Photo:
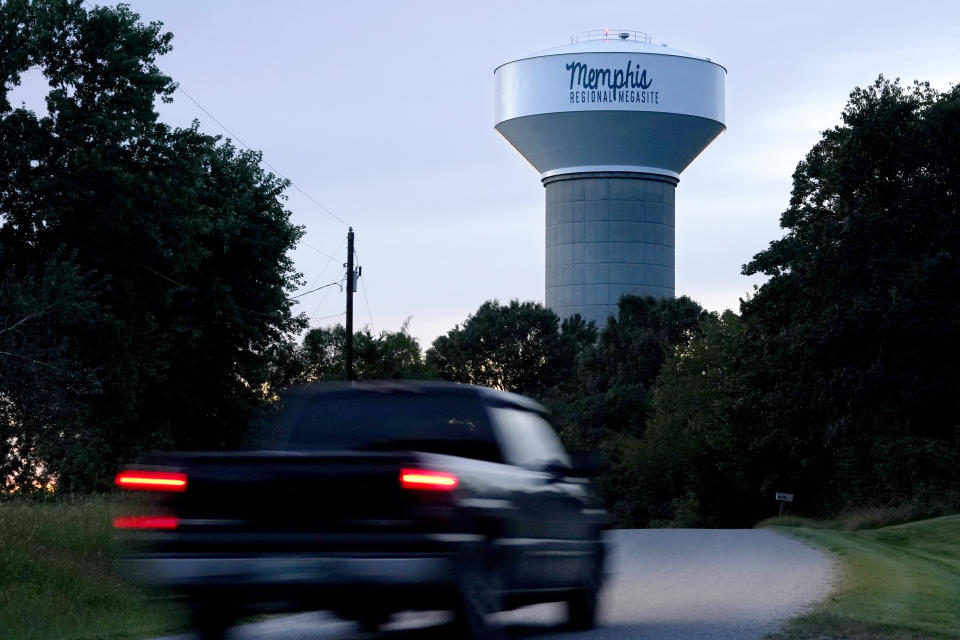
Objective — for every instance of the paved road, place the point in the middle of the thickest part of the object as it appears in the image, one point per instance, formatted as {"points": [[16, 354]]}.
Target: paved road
{"points": [[667, 584]]}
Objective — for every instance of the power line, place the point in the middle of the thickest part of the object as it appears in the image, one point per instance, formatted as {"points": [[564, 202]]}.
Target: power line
{"points": [[222, 126], [312, 199], [325, 295], [265, 315], [249, 148], [328, 263], [330, 258], [323, 253], [363, 288], [283, 177], [317, 289], [270, 166], [278, 173]]}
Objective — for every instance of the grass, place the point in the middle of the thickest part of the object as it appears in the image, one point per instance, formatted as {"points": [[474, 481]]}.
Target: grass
{"points": [[57, 579], [898, 582], [867, 518]]}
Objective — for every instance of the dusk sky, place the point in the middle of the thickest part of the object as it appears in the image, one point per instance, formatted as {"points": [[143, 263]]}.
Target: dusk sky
{"points": [[383, 113]]}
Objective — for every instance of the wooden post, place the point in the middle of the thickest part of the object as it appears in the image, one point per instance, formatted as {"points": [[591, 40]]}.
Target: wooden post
{"points": [[348, 348], [783, 499]]}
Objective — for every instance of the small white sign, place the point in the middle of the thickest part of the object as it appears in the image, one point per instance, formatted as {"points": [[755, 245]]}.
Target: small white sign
{"points": [[784, 497]]}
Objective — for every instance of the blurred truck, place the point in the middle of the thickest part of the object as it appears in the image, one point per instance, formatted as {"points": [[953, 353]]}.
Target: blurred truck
{"points": [[374, 498]]}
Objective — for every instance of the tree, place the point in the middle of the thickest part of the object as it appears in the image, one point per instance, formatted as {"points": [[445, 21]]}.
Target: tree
{"points": [[605, 403], [698, 464], [175, 246], [858, 329], [41, 378], [609, 390], [388, 356], [516, 347]]}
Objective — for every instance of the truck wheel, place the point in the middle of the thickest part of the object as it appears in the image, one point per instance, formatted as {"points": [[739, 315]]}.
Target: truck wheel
{"points": [[479, 594], [582, 603], [371, 622], [211, 622]]}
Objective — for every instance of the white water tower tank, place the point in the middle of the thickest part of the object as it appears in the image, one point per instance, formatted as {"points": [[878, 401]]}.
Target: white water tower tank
{"points": [[610, 121]]}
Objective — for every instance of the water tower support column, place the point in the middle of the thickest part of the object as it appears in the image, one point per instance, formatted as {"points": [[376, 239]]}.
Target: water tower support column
{"points": [[608, 233]]}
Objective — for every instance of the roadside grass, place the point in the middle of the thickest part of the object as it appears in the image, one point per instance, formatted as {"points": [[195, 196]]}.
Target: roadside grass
{"points": [[897, 582], [867, 518], [57, 579]]}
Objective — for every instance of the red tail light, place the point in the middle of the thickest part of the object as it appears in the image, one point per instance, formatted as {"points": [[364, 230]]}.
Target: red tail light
{"points": [[429, 480], [146, 522], [152, 480]]}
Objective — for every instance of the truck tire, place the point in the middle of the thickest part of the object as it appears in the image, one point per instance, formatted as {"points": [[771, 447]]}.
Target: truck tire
{"points": [[212, 621], [582, 603], [479, 595], [371, 622]]}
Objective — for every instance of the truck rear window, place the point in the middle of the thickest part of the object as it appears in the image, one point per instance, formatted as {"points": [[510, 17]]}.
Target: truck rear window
{"points": [[451, 424]]}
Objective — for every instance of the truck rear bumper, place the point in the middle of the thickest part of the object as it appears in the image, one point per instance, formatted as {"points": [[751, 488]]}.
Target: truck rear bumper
{"points": [[291, 570]]}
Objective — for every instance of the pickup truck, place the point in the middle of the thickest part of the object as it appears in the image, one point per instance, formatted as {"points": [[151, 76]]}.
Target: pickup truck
{"points": [[373, 498]]}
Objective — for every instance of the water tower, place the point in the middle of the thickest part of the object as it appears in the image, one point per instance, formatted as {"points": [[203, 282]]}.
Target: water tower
{"points": [[610, 121]]}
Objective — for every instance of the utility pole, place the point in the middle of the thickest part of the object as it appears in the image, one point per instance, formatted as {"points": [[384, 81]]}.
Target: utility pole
{"points": [[348, 351]]}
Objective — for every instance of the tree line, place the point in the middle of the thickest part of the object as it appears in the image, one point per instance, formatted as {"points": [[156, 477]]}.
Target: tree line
{"points": [[145, 286]]}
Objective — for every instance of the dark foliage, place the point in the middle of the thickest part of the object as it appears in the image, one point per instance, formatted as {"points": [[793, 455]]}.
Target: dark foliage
{"points": [[605, 405], [517, 347], [387, 356], [609, 390], [861, 315], [144, 275]]}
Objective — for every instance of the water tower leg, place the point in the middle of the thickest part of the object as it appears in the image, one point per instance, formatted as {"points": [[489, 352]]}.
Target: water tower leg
{"points": [[607, 234]]}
